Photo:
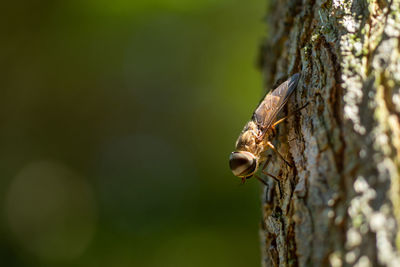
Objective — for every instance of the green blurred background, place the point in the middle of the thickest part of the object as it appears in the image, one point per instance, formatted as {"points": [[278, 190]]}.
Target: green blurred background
{"points": [[117, 120]]}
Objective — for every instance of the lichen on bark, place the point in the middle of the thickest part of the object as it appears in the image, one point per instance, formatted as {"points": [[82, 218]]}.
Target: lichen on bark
{"points": [[340, 204]]}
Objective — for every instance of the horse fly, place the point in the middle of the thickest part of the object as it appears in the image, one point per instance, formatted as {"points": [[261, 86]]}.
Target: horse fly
{"points": [[255, 138]]}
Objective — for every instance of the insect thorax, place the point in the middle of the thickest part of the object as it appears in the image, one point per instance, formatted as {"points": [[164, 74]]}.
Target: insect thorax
{"points": [[249, 140]]}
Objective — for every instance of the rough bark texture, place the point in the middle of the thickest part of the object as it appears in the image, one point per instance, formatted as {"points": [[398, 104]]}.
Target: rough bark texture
{"points": [[340, 204]]}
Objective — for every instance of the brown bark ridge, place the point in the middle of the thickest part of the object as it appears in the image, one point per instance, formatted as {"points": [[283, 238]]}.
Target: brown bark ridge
{"points": [[340, 203]]}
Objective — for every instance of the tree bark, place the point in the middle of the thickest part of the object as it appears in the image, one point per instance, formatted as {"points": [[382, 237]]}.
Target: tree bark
{"points": [[340, 203]]}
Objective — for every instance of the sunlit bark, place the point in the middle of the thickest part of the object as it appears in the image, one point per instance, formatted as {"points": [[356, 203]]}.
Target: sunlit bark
{"points": [[340, 204]]}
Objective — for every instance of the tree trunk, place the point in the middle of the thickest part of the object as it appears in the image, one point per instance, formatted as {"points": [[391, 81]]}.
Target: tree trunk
{"points": [[340, 204]]}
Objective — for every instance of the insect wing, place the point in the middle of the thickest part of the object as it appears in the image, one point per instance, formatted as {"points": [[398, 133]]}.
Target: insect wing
{"points": [[274, 101]]}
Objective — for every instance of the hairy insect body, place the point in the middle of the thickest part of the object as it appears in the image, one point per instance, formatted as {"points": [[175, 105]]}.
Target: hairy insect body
{"points": [[249, 140], [254, 141], [255, 137]]}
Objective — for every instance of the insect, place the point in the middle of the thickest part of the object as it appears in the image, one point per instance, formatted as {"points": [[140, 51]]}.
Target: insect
{"points": [[255, 137]]}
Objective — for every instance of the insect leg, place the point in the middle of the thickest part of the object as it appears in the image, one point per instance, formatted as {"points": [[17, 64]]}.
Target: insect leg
{"points": [[279, 154], [280, 120], [275, 178], [290, 114], [270, 175], [266, 163], [273, 129], [261, 180]]}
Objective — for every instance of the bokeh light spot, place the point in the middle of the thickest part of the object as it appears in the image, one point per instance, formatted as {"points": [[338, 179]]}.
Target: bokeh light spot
{"points": [[51, 211]]}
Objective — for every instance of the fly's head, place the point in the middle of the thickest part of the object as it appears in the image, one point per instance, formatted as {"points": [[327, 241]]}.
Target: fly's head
{"points": [[243, 164]]}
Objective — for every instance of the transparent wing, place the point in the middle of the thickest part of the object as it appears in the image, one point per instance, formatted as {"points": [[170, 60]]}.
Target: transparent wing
{"points": [[273, 102]]}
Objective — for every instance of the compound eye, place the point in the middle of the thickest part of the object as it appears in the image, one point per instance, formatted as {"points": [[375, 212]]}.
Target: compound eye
{"points": [[242, 163]]}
